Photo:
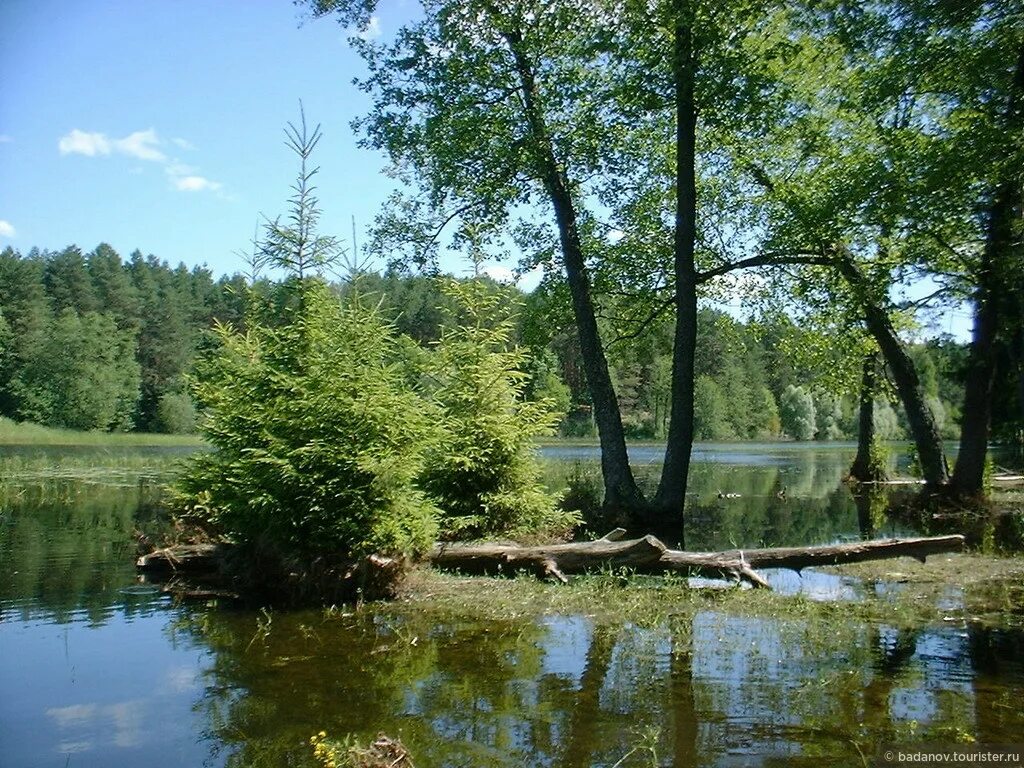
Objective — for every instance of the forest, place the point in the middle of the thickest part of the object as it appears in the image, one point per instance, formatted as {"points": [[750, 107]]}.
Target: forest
{"points": [[90, 341], [835, 174]]}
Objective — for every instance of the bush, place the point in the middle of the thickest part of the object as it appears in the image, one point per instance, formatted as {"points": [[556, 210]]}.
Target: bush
{"points": [[879, 459], [796, 411], [484, 473], [176, 414], [317, 441], [709, 411]]}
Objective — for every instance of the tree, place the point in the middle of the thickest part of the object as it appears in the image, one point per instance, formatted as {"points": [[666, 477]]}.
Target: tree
{"points": [[113, 287], [999, 271], [318, 439], [490, 127], [710, 411], [483, 473], [67, 281], [864, 468], [294, 245], [796, 411], [167, 339], [86, 377], [27, 316]]}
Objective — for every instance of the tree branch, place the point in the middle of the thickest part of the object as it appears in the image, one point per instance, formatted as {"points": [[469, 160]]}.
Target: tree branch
{"points": [[767, 259]]}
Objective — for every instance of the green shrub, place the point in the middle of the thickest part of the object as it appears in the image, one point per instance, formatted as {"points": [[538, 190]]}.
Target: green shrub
{"points": [[317, 441], [879, 459], [484, 473], [176, 414], [796, 411]]}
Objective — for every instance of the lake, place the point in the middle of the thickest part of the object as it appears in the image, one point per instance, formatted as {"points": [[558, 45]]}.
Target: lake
{"points": [[98, 669]]}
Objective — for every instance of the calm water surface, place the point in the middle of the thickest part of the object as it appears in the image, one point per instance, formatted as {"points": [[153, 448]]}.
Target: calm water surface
{"points": [[99, 670]]}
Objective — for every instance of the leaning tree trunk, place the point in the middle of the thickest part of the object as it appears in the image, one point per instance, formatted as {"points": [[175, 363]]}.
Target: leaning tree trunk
{"points": [[991, 292], [668, 504], [922, 422], [620, 489], [862, 468]]}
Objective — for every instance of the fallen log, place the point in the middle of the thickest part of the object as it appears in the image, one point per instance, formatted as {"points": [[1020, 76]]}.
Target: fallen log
{"points": [[646, 555], [649, 555], [183, 558]]}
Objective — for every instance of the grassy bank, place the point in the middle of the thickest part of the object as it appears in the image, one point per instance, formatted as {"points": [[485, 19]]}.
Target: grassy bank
{"points": [[916, 595], [26, 433]]}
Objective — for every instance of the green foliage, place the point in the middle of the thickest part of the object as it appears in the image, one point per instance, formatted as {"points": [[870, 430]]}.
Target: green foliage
{"points": [[796, 411], [887, 424], [709, 411], [293, 244], [767, 423], [879, 459], [317, 441], [86, 377], [176, 414], [483, 473], [544, 384], [828, 416]]}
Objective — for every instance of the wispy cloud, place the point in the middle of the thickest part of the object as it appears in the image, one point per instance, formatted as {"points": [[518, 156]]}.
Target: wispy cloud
{"points": [[81, 143], [7, 229], [5, 139], [141, 145], [195, 184]]}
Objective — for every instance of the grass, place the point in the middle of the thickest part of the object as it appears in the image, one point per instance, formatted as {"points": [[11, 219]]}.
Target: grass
{"points": [[992, 588], [26, 433]]}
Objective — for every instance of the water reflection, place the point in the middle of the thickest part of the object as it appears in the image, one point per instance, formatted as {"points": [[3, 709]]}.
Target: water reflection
{"points": [[96, 671], [708, 690]]}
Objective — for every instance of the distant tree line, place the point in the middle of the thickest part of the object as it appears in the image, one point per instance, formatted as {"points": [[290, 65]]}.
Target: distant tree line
{"points": [[91, 341]]}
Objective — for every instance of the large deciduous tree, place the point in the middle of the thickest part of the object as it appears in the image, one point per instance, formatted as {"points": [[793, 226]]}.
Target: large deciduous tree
{"points": [[497, 108]]}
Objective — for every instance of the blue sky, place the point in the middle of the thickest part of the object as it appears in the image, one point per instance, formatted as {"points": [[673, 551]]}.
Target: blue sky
{"points": [[159, 125]]}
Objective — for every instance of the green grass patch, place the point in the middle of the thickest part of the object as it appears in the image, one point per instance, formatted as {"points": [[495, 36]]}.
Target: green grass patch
{"points": [[917, 595], [27, 433]]}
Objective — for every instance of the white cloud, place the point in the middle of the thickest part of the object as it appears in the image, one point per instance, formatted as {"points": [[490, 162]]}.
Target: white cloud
{"points": [[530, 280], [5, 139], [7, 229], [195, 184], [81, 143], [372, 30], [76, 714], [142, 145]]}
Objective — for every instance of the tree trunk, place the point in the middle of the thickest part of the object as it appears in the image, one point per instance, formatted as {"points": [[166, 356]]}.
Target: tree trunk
{"points": [[649, 555], [644, 555], [668, 504], [620, 489], [995, 276], [862, 469], [922, 422], [585, 721]]}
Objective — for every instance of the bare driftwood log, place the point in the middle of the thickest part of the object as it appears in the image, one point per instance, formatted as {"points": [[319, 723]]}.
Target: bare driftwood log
{"points": [[649, 555], [183, 558], [643, 555]]}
